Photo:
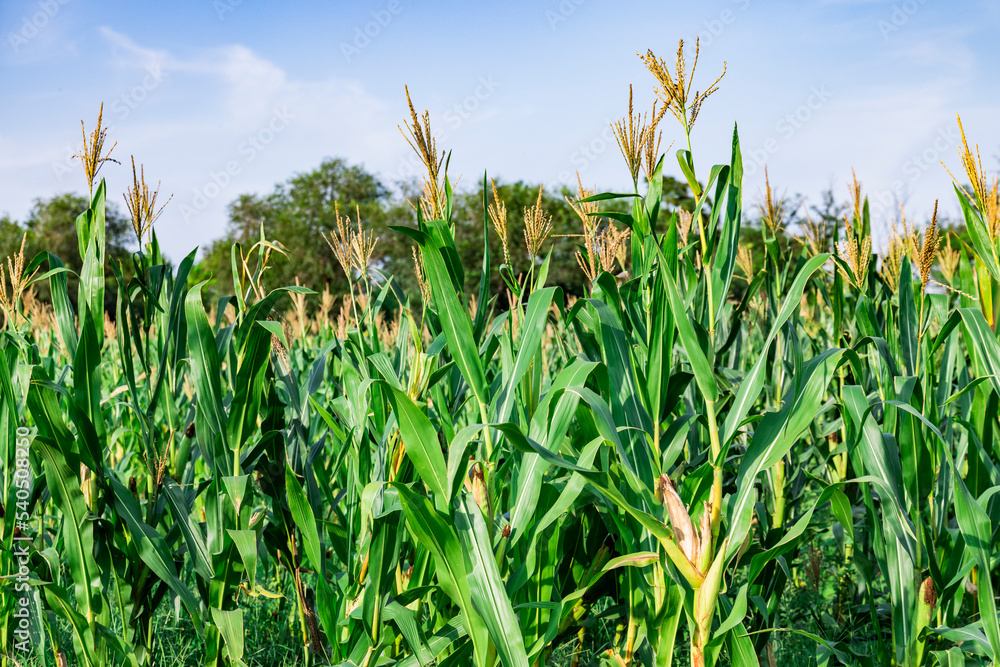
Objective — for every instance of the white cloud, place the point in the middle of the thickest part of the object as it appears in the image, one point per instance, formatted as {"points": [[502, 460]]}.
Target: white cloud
{"points": [[890, 97], [938, 49], [189, 115]]}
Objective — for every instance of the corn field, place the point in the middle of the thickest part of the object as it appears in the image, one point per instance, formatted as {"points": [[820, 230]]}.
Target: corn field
{"points": [[644, 475]]}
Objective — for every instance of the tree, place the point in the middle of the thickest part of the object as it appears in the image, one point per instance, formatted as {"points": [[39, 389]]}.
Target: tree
{"points": [[677, 195], [516, 197], [469, 215], [303, 210], [299, 214], [51, 226], [10, 237]]}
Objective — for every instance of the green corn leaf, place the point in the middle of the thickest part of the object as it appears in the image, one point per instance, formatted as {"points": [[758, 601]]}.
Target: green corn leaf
{"points": [[304, 518], [422, 446], [87, 377], [908, 324], [953, 657], [548, 426], [971, 638], [881, 461], [984, 343], [248, 387], [487, 591], [205, 365], [776, 434], [202, 560], [531, 340], [153, 549], [437, 534], [58, 600], [687, 168], [703, 373], [246, 544], [406, 621], [230, 624], [77, 530], [976, 528], [452, 632], [982, 242], [381, 554], [484, 278], [59, 289], [724, 262], [455, 322], [754, 381]]}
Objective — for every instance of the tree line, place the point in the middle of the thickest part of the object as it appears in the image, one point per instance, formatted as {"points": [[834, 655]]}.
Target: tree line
{"points": [[302, 211]]}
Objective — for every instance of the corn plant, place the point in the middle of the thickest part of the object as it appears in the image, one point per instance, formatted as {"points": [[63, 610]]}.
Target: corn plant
{"points": [[459, 477]]}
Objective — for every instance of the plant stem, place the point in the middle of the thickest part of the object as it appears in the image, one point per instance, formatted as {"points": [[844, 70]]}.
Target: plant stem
{"points": [[633, 623], [716, 449], [778, 480]]}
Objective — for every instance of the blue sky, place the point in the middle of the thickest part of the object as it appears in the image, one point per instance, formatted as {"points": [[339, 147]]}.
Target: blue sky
{"points": [[223, 97]]}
